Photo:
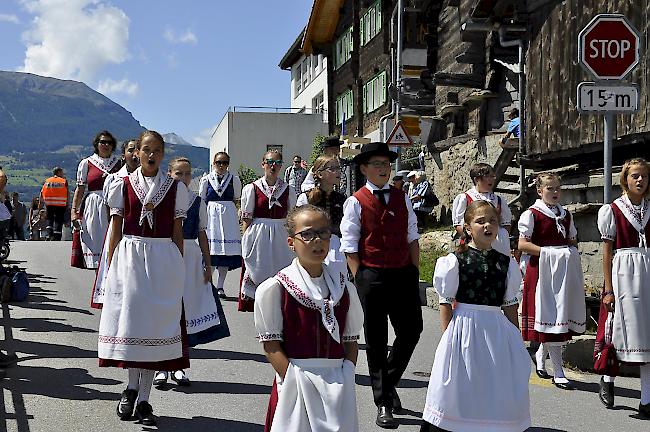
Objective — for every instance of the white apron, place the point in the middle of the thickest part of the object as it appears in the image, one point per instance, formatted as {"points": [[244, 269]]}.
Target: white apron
{"points": [[224, 233], [631, 283], [560, 295], [94, 225], [317, 395], [200, 306]]}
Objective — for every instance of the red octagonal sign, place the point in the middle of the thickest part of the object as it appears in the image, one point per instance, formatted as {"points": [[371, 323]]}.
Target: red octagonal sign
{"points": [[609, 46]]}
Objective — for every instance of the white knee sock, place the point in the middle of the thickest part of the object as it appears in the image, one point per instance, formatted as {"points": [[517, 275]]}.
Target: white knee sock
{"points": [[645, 384], [146, 381], [555, 352], [540, 357], [608, 379], [134, 379], [221, 276]]}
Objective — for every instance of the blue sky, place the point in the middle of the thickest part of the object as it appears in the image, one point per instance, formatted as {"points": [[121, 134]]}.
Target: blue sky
{"points": [[177, 65]]}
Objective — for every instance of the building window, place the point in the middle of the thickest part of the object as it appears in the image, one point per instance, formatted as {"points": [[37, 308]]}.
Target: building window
{"points": [[374, 93], [297, 79], [306, 72], [344, 107], [342, 48], [318, 103], [370, 23]]}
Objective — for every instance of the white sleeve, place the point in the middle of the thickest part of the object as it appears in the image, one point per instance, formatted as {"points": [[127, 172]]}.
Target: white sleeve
{"points": [[606, 223], [446, 278], [203, 216], [236, 185], [526, 224], [82, 172], [182, 201], [458, 210], [506, 213], [302, 200], [354, 320], [107, 186], [247, 202], [203, 188], [513, 284], [268, 311], [115, 197], [412, 232], [308, 183], [573, 232], [351, 226]]}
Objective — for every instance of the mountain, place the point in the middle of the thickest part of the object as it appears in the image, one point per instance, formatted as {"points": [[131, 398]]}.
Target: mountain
{"points": [[47, 122]]}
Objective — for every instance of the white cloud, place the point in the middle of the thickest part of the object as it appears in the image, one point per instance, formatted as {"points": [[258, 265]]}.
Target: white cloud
{"points": [[74, 39], [9, 18], [181, 38], [112, 87], [203, 137]]}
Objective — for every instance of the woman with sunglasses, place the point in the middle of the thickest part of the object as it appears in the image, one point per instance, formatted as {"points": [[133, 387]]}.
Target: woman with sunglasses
{"points": [[220, 189], [327, 176], [264, 207], [89, 213]]}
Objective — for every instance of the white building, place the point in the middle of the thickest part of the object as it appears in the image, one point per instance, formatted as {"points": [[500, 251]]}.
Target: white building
{"points": [[245, 135], [308, 79]]}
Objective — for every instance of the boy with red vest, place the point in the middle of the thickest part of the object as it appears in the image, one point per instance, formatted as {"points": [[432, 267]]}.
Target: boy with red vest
{"points": [[380, 240]]}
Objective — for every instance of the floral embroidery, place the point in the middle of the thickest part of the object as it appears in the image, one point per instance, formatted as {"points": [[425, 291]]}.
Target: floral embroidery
{"points": [[114, 340], [350, 338], [203, 320], [117, 211], [180, 214], [266, 337]]}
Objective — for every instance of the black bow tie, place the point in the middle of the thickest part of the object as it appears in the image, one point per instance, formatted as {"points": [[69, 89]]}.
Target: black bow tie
{"points": [[381, 195]]}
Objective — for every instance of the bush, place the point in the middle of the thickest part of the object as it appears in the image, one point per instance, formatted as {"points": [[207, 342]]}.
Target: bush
{"points": [[246, 174], [316, 149]]}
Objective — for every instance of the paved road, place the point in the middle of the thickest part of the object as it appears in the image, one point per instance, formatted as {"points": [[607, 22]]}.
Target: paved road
{"points": [[57, 385]]}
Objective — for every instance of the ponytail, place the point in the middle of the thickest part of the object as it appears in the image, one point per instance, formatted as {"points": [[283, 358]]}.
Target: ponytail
{"points": [[463, 244]]}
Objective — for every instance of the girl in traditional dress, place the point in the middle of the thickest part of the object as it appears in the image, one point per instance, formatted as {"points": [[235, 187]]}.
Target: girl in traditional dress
{"points": [[264, 206], [479, 380], [142, 327], [483, 177], [204, 317], [553, 306], [89, 214], [129, 164], [220, 189], [309, 319], [624, 226], [327, 176]]}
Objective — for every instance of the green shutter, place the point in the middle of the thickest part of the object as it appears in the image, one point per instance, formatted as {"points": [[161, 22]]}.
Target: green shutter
{"points": [[383, 88], [378, 15], [365, 99], [361, 30], [350, 104]]}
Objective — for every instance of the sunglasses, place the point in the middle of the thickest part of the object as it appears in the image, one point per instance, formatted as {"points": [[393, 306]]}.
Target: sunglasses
{"points": [[222, 163], [273, 162], [310, 234], [106, 142], [379, 164]]}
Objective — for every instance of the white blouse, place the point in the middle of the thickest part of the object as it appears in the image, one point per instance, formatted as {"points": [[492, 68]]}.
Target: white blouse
{"points": [[302, 200], [268, 311], [82, 170], [248, 200], [446, 279], [203, 187], [606, 223], [526, 226], [115, 198], [459, 206]]}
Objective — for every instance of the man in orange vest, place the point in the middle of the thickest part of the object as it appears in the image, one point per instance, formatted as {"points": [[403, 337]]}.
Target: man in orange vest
{"points": [[55, 195]]}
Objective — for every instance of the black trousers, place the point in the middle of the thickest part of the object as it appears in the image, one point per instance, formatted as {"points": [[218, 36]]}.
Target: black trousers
{"points": [[384, 294], [55, 215]]}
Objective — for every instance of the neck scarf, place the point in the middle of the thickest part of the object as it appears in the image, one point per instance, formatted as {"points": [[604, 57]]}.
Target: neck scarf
{"points": [[273, 193], [104, 164], [638, 218], [219, 186], [150, 196], [547, 211]]}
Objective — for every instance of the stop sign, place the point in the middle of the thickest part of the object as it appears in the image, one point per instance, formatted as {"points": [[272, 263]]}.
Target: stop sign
{"points": [[609, 46]]}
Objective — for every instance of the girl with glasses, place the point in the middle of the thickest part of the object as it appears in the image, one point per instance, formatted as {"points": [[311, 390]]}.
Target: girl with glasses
{"points": [[220, 189], [264, 207]]}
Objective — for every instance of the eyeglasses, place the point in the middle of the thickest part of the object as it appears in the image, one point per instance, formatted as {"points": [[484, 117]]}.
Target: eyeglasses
{"points": [[222, 163], [379, 164], [106, 142], [309, 235], [273, 162], [332, 169], [297, 161]]}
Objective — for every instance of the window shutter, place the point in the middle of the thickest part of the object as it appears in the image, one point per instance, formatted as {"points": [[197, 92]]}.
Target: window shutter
{"points": [[350, 42], [361, 29], [378, 16], [365, 99], [351, 104], [383, 87]]}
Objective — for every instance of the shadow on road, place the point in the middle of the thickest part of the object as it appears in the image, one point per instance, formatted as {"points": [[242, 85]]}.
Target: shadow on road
{"points": [[364, 380], [209, 387], [595, 388], [203, 424], [206, 354]]}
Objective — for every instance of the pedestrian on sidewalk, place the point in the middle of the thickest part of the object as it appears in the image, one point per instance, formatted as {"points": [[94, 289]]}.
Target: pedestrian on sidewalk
{"points": [[295, 174], [264, 207], [220, 190], [204, 316], [308, 317], [130, 163], [553, 306], [466, 391], [625, 307], [483, 178], [54, 194], [380, 240], [18, 217], [142, 326]]}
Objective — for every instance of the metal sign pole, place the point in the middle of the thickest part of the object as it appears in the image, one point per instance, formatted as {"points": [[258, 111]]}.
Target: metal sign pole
{"points": [[607, 163]]}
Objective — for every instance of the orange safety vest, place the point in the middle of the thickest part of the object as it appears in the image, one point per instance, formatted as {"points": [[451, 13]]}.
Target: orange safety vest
{"points": [[55, 192]]}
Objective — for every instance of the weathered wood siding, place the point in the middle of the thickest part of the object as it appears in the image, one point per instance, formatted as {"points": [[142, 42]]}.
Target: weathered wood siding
{"points": [[553, 74]]}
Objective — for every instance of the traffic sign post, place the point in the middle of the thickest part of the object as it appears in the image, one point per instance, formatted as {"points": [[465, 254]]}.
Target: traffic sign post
{"points": [[609, 48], [399, 137]]}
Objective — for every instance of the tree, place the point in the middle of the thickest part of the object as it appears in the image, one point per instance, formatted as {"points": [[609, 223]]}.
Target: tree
{"points": [[246, 174], [317, 148]]}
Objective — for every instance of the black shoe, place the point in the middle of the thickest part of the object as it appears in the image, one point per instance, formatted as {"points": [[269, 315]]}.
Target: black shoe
{"points": [[125, 406], [395, 402], [221, 293], [606, 393], [563, 386], [543, 374], [644, 410], [144, 413], [385, 418], [160, 379], [180, 378], [7, 360]]}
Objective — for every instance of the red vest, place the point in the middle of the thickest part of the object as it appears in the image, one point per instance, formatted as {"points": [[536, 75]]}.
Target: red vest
{"points": [[262, 209], [545, 232], [626, 235], [96, 177], [384, 230], [163, 214]]}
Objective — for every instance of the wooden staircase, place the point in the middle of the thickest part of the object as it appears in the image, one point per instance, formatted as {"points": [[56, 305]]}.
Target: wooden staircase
{"points": [[507, 159]]}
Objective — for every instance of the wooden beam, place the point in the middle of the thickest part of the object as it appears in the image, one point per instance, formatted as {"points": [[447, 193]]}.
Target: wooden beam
{"points": [[446, 144], [458, 80]]}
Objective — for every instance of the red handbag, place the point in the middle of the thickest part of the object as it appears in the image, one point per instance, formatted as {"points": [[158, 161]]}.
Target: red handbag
{"points": [[605, 362]]}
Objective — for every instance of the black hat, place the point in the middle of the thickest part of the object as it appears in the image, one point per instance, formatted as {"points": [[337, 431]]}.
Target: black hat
{"points": [[374, 149], [333, 141]]}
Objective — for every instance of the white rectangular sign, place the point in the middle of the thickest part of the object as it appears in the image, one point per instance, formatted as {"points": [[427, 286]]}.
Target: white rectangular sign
{"points": [[596, 97]]}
